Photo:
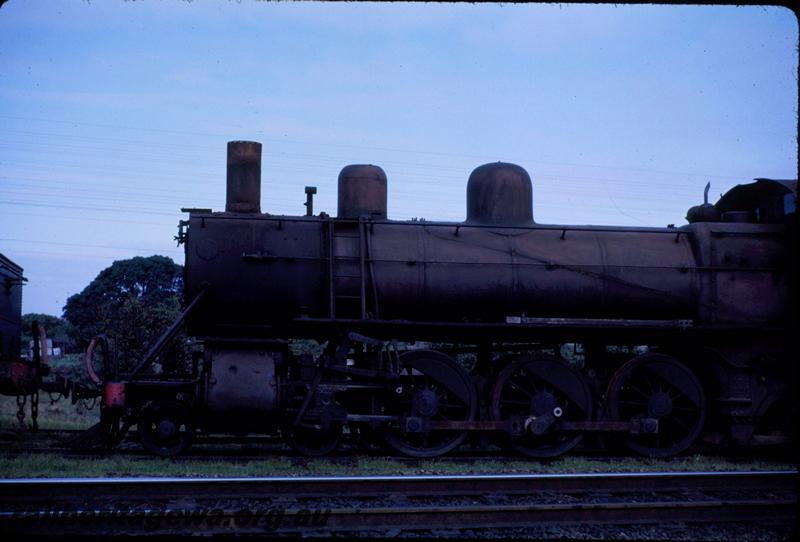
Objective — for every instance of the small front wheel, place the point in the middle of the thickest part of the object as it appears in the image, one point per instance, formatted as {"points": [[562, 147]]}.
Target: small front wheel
{"points": [[166, 428], [314, 442]]}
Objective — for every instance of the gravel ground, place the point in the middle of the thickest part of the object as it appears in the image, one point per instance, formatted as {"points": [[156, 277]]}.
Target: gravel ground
{"points": [[738, 532], [729, 531]]}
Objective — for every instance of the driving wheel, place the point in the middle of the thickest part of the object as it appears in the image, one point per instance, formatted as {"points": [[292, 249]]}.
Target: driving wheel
{"points": [[660, 388], [432, 387], [540, 393]]}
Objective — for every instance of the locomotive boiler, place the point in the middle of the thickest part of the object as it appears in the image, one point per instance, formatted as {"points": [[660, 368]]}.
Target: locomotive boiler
{"points": [[434, 331]]}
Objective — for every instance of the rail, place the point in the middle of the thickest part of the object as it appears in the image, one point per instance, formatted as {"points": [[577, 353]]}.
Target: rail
{"points": [[414, 503]]}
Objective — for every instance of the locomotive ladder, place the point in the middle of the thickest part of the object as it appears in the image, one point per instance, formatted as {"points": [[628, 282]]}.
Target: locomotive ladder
{"points": [[349, 262]]}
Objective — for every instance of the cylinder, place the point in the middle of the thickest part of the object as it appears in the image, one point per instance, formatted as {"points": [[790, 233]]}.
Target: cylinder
{"points": [[244, 177], [362, 192], [499, 194]]}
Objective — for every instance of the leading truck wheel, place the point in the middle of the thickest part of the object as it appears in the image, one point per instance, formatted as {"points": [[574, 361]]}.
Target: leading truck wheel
{"points": [[432, 387], [313, 442], [661, 388], [542, 393], [166, 428]]}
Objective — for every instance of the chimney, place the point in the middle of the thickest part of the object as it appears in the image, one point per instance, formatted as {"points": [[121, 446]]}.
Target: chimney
{"points": [[244, 177]]}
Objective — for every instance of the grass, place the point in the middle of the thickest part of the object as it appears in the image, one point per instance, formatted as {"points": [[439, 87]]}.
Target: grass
{"points": [[59, 415], [46, 465], [55, 465]]}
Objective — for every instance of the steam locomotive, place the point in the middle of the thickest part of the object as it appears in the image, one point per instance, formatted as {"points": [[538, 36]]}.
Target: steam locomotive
{"points": [[431, 333]]}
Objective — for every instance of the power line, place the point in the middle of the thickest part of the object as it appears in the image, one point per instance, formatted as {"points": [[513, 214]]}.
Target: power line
{"points": [[351, 146], [86, 245], [84, 208], [83, 218]]}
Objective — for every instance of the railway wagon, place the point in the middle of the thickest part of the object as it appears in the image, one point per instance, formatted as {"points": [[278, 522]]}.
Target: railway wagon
{"points": [[25, 376], [10, 309], [19, 377], [431, 332]]}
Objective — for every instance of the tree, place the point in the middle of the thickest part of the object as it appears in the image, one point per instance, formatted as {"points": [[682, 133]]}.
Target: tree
{"points": [[132, 301], [58, 329]]}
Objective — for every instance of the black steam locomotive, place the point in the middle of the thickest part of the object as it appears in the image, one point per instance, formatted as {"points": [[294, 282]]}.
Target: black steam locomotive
{"points": [[432, 332]]}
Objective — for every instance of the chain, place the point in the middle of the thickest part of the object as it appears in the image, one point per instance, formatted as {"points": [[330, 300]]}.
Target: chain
{"points": [[34, 411], [21, 400]]}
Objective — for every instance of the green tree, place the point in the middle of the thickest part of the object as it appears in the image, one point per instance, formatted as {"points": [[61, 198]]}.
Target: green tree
{"points": [[132, 301], [58, 329]]}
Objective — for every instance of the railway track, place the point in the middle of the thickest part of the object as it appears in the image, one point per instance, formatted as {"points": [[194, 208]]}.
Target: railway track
{"points": [[390, 504]]}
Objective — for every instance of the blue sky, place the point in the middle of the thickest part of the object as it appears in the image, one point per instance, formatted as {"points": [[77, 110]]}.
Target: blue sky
{"points": [[116, 114]]}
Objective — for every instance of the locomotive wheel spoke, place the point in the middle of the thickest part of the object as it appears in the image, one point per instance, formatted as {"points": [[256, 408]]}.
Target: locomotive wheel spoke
{"points": [[531, 380], [438, 389], [517, 386], [556, 385], [640, 392], [680, 422], [676, 400]]}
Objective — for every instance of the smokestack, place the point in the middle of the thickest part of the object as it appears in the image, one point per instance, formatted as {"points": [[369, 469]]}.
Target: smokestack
{"points": [[244, 177]]}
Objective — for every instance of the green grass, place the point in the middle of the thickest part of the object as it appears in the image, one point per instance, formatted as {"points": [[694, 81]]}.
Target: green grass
{"points": [[59, 415], [45, 465], [54, 465]]}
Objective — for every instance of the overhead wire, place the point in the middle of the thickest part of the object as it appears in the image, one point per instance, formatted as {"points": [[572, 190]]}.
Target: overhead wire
{"points": [[347, 145], [85, 245]]}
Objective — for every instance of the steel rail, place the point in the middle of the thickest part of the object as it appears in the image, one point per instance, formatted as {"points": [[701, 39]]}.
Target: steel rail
{"points": [[16, 490], [141, 505]]}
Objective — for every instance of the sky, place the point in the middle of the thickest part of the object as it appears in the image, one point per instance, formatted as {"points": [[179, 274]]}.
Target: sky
{"points": [[115, 115]]}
